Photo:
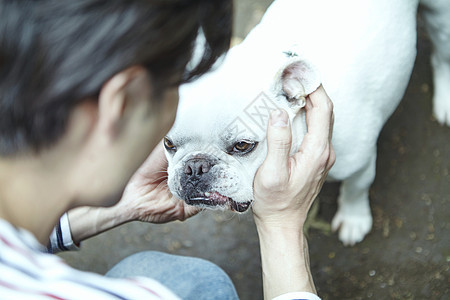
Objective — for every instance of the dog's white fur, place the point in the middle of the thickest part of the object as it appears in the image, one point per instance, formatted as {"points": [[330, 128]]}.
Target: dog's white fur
{"points": [[364, 52]]}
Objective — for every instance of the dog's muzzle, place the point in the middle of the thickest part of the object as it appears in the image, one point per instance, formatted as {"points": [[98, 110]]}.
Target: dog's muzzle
{"points": [[196, 181]]}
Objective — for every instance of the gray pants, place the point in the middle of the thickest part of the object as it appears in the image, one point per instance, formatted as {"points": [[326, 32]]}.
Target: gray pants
{"points": [[188, 277]]}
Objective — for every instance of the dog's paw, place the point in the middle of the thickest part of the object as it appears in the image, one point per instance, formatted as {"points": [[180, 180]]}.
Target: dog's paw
{"points": [[441, 97], [352, 228], [441, 109]]}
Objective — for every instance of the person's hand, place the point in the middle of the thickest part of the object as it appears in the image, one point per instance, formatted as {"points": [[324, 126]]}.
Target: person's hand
{"points": [[147, 197], [284, 189], [285, 186]]}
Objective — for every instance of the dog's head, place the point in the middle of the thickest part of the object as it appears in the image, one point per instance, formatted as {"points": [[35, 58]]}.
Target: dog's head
{"points": [[218, 140]]}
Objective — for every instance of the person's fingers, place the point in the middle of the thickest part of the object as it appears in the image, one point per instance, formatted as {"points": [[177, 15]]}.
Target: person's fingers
{"points": [[332, 158], [190, 211], [319, 119], [279, 139]]}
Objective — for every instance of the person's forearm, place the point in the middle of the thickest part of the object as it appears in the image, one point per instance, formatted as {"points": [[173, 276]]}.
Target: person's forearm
{"points": [[86, 222], [285, 262]]}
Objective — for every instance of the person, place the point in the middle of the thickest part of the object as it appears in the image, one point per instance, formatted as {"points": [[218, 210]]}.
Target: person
{"points": [[87, 89]]}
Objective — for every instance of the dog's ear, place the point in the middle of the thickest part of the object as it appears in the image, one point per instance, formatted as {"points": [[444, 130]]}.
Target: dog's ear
{"points": [[298, 79]]}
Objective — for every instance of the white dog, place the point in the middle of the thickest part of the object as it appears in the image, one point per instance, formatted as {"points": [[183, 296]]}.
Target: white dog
{"points": [[361, 51]]}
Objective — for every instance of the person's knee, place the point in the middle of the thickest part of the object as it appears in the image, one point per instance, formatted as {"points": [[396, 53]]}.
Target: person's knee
{"points": [[148, 262], [186, 276]]}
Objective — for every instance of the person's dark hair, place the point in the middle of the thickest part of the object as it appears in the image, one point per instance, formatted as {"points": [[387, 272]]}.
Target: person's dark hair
{"points": [[54, 53]]}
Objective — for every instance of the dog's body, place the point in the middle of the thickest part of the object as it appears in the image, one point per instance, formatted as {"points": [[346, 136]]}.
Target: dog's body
{"points": [[364, 52]]}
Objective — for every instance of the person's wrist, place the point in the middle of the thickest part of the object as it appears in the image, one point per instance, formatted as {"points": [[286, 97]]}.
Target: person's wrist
{"points": [[293, 222], [282, 240], [270, 229], [120, 214]]}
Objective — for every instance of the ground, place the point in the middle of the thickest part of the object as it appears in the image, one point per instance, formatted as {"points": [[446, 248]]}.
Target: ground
{"points": [[407, 254]]}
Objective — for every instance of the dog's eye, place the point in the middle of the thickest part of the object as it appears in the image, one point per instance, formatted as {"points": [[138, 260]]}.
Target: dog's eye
{"points": [[243, 147], [169, 145]]}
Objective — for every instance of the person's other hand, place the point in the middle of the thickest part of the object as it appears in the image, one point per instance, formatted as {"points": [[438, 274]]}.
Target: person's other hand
{"points": [[147, 197], [285, 186]]}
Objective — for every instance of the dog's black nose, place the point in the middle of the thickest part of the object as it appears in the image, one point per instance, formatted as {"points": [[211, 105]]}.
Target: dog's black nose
{"points": [[196, 167]]}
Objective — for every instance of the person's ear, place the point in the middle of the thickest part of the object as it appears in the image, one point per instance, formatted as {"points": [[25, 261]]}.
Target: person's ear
{"points": [[119, 92]]}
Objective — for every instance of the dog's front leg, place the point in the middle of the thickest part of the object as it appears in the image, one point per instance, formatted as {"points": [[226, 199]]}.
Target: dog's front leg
{"points": [[353, 218], [437, 20]]}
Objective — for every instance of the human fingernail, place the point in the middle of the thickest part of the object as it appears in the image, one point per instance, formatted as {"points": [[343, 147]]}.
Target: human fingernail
{"points": [[279, 118]]}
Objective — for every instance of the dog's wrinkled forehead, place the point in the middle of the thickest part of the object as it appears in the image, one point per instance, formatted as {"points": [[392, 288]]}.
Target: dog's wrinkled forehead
{"points": [[209, 116], [228, 126]]}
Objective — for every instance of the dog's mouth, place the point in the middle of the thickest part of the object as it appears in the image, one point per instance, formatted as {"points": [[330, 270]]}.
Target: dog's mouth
{"points": [[217, 199]]}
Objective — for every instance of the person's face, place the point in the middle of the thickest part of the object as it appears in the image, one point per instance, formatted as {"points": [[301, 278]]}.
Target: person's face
{"points": [[142, 124], [148, 124]]}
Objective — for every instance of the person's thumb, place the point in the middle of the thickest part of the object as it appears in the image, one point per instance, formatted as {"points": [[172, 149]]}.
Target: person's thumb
{"points": [[279, 140]]}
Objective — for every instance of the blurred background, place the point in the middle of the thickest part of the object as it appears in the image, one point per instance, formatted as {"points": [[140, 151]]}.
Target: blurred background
{"points": [[407, 254]]}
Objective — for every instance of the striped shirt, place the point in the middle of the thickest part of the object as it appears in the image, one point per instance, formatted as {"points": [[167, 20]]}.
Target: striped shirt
{"points": [[27, 272]]}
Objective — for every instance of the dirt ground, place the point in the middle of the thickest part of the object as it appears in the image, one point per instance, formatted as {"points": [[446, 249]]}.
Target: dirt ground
{"points": [[407, 254]]}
